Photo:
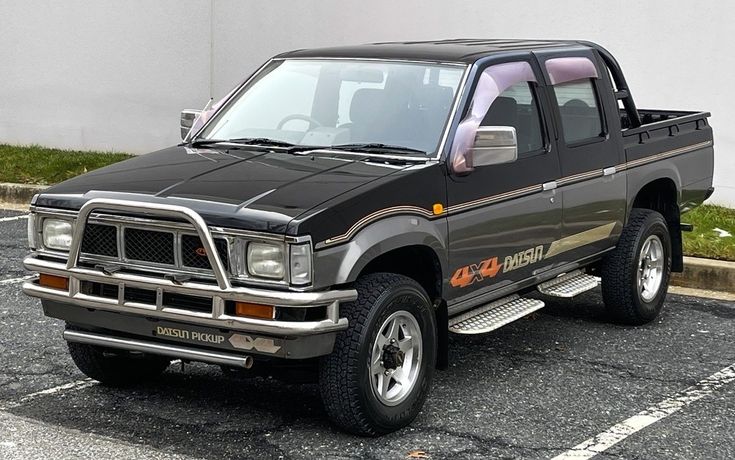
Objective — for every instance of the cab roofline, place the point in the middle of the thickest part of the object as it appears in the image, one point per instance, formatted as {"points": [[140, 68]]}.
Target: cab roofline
{"points": [[465, 51]]}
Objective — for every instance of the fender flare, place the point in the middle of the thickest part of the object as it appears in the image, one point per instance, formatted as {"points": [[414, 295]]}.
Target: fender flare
{"points": [[665, 172], [378, 238]]}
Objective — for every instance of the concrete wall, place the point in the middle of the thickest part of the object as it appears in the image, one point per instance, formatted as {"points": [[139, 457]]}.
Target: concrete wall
{"points": [[113, 75]]}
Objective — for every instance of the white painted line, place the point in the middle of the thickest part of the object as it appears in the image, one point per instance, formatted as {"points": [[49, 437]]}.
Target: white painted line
{"points": [[653, 414], [16, 280], [12, 218], [73, 386], [24, 438]]}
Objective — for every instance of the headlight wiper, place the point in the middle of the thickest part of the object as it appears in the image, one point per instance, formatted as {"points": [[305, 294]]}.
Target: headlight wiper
{"points": [[377, 148]]}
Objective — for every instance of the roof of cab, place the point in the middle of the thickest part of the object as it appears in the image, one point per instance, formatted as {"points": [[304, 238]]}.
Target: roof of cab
{"points": [[463, 50]]}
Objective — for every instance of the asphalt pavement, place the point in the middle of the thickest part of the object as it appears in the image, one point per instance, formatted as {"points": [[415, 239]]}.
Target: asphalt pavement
{"points": [[533, 389]]}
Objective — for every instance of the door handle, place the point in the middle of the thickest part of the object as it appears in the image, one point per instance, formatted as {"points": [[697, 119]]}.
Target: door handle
{"points": [[549, 186], [609, 171]]}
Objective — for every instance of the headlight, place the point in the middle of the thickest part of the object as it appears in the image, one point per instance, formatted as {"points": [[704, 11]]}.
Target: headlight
{"points": [[300, 264], [266, 260], [57, 234]]}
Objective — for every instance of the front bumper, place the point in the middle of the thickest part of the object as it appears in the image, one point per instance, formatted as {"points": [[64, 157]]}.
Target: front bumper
{"points": [[180, 339], [93, 291], [119, 318], [218, 317]]}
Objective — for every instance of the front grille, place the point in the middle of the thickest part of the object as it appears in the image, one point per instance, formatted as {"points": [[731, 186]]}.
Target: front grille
{"points": [[149, 246], [193, 253], [156, 247], [100, 240]]}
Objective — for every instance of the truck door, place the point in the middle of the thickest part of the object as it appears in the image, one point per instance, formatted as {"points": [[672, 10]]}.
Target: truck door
{"points": [[586, 132], [500, 217]]}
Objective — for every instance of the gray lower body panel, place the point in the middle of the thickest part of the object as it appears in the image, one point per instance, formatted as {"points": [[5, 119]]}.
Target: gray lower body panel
{"points": [[173, 332]]}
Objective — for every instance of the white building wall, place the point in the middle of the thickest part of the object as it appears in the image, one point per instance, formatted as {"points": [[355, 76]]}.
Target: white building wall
{"points": [[113, 75]]}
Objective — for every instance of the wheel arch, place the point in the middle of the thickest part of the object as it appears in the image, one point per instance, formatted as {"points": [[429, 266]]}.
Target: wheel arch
{"points": [[662, 195], [412, 246]]}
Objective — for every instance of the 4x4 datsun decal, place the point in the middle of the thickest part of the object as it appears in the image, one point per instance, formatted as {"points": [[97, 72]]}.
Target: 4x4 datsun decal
{"points": [[489, 268]]}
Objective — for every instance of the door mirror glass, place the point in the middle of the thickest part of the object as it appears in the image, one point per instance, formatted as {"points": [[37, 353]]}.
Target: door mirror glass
{"points": [[188, 117], [493, 145]]}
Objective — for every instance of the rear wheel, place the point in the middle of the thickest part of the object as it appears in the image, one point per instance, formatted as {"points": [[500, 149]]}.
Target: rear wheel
{"points": [[379, 375], [635, 276], [116, 367]]}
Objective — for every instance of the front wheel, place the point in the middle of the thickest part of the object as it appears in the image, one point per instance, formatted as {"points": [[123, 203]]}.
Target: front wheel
{"points": [[635, 275], [379, 375]]}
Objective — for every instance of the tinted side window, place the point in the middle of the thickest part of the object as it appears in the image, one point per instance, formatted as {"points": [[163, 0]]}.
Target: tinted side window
{"points": [[517, 107], [580, 115]]}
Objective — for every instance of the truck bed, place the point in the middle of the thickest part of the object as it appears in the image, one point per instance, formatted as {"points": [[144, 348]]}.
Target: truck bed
{"points": [[664, 130]]}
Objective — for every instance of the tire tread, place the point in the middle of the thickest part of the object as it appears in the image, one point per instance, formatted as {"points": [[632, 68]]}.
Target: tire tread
{"points": [[338, 372]]}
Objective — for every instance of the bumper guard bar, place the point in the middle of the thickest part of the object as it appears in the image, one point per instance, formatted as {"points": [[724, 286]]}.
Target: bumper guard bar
{"points": [[173, 351], [220, 293]]}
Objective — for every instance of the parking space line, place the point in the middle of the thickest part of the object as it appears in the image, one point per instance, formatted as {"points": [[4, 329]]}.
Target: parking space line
{"points": [[653, 414], [12, 218], [16, 280], [73, 386]]}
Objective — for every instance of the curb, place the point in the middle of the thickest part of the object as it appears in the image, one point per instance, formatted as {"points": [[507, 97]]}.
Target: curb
{"points": [[19, 194], [709, 274]]}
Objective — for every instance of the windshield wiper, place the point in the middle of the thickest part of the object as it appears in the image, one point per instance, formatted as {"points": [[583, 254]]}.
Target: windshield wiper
{"points": [[371, 147], [376, 147], [255, 141]]}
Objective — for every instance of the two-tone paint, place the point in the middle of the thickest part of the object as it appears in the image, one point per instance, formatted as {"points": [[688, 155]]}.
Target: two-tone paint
{"points": [[572, 201]]}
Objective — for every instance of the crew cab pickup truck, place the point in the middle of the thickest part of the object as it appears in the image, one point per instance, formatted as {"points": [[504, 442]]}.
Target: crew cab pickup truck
{"points": [[350, 207]]}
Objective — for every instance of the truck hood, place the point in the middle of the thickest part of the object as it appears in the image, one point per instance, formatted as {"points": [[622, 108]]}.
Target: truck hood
{"points": [[239, 188]]}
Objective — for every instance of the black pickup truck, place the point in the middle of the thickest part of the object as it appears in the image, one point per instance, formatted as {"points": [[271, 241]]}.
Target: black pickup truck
{"points": [[350, 207]]}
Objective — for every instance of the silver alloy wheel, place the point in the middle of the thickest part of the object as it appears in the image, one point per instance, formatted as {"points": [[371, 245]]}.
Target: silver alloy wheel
{"points": [[650, 268], [396, 356]]}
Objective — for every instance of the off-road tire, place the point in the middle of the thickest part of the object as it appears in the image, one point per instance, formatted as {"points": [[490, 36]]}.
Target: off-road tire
{"points": [[344, 377], [117, 368], [620, 290]]}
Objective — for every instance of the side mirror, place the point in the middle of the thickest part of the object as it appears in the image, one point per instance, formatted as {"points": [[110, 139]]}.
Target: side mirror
{"points": [[188, 117], [494, 145]]}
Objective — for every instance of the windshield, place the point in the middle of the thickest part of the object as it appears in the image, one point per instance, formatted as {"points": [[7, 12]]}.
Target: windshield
{"points": [[328, 103]]}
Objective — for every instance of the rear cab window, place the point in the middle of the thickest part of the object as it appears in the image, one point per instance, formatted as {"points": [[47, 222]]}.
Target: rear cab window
{"points": [[579, 110], [573, 85]]}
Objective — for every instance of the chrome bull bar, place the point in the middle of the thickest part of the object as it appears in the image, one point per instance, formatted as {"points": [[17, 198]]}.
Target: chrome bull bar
{"points": [[219, 293], [156, 209]]}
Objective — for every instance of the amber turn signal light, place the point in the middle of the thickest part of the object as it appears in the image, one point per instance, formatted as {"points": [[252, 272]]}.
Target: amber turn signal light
{"points": [[53, 281], [254, 310]]}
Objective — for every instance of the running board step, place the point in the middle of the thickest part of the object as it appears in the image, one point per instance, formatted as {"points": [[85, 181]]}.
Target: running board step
{"points": [[494, 315], [569, 284]]}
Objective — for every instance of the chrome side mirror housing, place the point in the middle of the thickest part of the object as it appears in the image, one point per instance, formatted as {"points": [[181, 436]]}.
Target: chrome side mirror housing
{"points": [[188, 117], [493, 145]]}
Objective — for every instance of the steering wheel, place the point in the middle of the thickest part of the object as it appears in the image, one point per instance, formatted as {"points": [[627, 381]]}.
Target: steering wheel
{"points": [[298, 116]]}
